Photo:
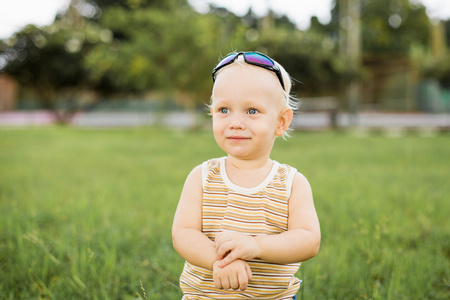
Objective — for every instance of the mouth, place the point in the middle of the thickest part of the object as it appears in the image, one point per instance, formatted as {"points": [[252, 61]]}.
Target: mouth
{"points": [[237, 138]]}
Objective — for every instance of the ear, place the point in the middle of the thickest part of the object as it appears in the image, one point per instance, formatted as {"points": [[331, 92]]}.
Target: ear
{"points": [[284, 120]]}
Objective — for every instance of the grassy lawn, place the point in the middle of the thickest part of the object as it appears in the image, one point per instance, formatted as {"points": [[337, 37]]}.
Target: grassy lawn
{"points": [[87, 214]]}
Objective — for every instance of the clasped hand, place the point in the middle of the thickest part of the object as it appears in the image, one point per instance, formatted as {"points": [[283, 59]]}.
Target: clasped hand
{"points": [[231, 269]]}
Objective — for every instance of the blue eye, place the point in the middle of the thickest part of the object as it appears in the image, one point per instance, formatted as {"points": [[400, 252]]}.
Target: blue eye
{"points": [[252, 111], [224, 110]]}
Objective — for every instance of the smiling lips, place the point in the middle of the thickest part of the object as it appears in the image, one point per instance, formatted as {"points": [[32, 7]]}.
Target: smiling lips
{"points": [[237, 138]]}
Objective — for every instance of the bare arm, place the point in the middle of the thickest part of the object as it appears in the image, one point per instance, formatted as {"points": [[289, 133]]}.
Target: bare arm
{"points": [[187, 236], [299, 243]]}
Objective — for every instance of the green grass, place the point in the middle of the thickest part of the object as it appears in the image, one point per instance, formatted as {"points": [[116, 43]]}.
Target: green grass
{"points": [[87, 214]]}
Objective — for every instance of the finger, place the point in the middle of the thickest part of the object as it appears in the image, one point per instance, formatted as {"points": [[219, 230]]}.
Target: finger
{"points": [[221, 238], [224, 250], [226, 284], [243, 282], [227, 260], [219, 257], [218, 240], [217, 283], [249, 272], [234, 282]]}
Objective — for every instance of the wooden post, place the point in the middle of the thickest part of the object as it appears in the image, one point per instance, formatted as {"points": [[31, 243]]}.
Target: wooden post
{"points": [[350, 43]]}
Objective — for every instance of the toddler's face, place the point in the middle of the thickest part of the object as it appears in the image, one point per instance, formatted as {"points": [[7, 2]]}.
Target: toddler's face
{"points": [[246, 108]]}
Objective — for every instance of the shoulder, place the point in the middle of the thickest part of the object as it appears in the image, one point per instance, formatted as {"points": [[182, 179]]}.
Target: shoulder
{"points": [[301, 198], [195, 174], [292, 174], [188, 213], [300, 184], [200, 173], [192, 189], [213, 163], [297, 184], [295, 180], [299, 178]]}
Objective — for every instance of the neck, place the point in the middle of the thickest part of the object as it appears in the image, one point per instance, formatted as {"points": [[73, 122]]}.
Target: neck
{"points": [[247, 174], [243, 164]]}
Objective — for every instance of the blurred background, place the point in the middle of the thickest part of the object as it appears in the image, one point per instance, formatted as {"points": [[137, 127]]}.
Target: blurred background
{"points": [[367, 63], [86, 214]]}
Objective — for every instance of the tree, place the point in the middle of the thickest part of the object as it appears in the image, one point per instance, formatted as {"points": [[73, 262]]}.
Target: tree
{"points": [[164, 50], [49, 60], [387, 26], [393, 26], [41, 61], [124, 47], [389, 30]]}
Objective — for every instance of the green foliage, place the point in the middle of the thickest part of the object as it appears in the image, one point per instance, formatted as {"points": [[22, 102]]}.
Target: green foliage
{"points": [[439, 68], [136, 4], [48, 61], [392, 26], [153, 49], [88, 214], [40, 61], [125, 47], [38, 58], [387, 26], [171, 48], [309, 57]]}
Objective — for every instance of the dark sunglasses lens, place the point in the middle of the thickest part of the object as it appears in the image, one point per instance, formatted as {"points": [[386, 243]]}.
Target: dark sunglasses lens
{"points": [[258, 59], [226, 60]]}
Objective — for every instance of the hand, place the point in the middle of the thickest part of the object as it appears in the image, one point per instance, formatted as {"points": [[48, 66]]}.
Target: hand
{"points": [[235, 275], [233, 245]]}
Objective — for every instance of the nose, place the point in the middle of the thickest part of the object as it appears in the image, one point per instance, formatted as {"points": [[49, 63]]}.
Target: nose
{"points": [[236, 121]]}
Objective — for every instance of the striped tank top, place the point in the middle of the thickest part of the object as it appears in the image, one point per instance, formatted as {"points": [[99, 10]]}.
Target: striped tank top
{"points": [[261, 210]]}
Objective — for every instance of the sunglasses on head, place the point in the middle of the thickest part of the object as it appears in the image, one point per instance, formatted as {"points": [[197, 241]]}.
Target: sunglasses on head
{"points": [[252, 58]]}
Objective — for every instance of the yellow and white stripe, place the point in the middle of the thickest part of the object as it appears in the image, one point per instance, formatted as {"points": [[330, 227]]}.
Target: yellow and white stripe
{"points": [[261, 210]]}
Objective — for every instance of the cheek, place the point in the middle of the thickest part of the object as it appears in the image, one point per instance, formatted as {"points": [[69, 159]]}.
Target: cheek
{"points": [[217, 126], [268, 128], [217, 133]]}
